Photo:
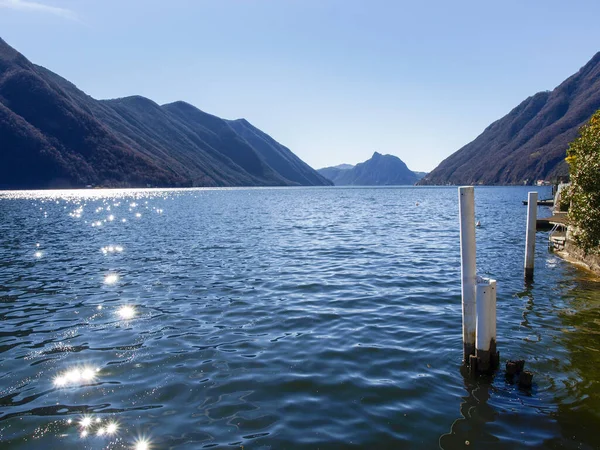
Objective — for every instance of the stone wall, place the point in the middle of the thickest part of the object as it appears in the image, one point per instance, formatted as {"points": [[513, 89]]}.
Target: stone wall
{"points": [[572, 253]]}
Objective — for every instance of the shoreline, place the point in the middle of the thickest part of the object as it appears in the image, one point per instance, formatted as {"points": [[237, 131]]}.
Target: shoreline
{"points": [[574, 255]]}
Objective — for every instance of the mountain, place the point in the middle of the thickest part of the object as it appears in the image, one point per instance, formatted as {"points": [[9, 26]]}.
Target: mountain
{"points": [[278, 157], [333, 172], [380, 170], [530, 142], [343, 166], [54, 135]]}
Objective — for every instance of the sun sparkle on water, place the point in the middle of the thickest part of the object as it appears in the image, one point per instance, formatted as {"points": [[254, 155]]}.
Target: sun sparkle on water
{"points": [[112, 428], [85, 422], [111, 249], [60, 381], [111, 278], [75, 376], [142, 444], [126, 312]]}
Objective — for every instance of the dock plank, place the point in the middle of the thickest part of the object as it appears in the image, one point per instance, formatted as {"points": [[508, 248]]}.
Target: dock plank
{"points": [[548, 223]]}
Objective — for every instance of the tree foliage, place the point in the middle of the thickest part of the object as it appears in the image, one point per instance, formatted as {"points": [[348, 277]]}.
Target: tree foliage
{"points": [[583, 157]]}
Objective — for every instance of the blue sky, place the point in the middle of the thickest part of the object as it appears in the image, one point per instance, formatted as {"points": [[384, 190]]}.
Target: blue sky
{"points": [[334, 80]]}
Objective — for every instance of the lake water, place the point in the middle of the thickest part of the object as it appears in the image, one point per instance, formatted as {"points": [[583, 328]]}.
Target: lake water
{"points": [[288, 318]]}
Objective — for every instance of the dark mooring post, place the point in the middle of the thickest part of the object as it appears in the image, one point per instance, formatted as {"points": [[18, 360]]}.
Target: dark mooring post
{"points": [[532, 199], [466, 206]]}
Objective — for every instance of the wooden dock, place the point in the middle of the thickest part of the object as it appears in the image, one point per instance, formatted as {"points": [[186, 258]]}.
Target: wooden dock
{"points": [[547, 202], [549, 222]]}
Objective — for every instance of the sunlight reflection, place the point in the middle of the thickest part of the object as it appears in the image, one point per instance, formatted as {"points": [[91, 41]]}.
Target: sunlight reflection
{"points": [[88, 374], [111, 249], [112, 428], [108, 195], [111, 278], [76, 213], [142, 444], [138, 215], [126, 312], [111, 218], [60, 381], [94, 426], [76, 376], [38, 254], [73, 376], [85, 422]]}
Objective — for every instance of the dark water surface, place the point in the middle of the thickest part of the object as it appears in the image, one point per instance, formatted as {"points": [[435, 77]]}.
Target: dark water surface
{"points": [[290, 318]]}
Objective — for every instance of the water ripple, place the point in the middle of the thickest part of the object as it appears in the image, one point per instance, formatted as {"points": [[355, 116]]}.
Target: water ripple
{"points": [[280, 318]]}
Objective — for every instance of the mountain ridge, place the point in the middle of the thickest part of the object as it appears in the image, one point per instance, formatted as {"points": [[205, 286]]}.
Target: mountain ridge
{"points": [[52, 134], [530, 142]]}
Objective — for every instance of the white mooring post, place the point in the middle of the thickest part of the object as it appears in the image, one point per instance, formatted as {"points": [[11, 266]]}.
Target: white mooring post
{"points": [[487, 358], [466, 202], [530, 237]]}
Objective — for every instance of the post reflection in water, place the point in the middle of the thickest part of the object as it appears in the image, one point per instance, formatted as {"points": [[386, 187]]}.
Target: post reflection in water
{"points": [[527, 293], [470, 429]]}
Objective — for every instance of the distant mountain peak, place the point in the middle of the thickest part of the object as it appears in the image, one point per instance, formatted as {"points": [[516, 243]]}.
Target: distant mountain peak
{"points": [[379, 170], [180, 104], [136, 100]]}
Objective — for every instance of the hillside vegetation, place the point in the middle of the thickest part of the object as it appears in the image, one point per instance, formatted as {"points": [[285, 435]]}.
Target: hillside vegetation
{"points": [[54, 135]]}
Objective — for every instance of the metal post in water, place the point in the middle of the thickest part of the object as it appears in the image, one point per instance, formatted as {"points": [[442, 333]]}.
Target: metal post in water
{"points": [[466, 202], [486, 355], [530, 237]]}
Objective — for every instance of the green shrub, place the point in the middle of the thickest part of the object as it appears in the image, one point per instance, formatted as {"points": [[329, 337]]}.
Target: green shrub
{"points": [[564, 199], [583, 157]]}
